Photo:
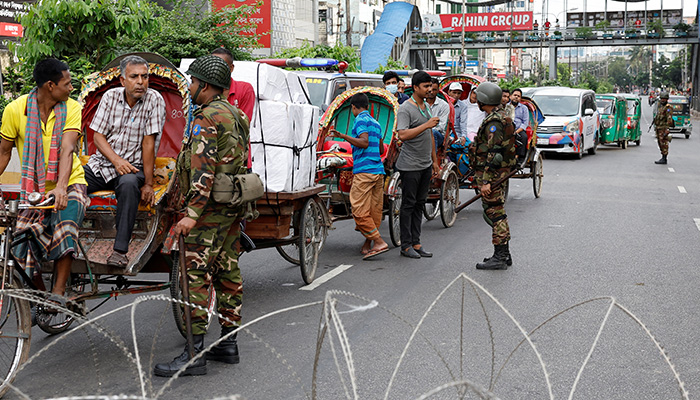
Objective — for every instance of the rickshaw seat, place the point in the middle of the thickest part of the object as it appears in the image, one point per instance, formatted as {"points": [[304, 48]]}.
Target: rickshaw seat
{"points": [[106, 199]]}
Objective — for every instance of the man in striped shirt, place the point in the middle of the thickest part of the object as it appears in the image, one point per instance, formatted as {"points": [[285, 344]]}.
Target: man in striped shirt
{"points": [[127, 124], [367, 191]]}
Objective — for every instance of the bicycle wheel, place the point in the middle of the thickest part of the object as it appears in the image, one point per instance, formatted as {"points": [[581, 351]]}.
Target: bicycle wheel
{"points": [[15, 334], [55, 323]]}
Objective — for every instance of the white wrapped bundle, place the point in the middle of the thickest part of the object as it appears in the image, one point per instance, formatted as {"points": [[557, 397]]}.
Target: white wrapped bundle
{"points": [[305, 125], [273, 164], [272, 83], [272, 124], [298, 90]]}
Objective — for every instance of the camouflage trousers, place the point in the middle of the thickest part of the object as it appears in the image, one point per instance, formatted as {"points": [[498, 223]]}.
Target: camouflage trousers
{"points": [[663, 138], [211, 254], [495, 215]]}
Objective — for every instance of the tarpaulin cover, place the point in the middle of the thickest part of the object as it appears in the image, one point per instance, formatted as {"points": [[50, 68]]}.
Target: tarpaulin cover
{"points": [[377, 46]]}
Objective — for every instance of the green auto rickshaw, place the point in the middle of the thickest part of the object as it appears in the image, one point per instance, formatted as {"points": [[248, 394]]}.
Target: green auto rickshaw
{"points": [[681, 115], [634, 115], [613, 119]]}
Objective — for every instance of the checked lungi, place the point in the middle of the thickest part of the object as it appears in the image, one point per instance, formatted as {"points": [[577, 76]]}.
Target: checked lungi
{"points": [[53, 234]]}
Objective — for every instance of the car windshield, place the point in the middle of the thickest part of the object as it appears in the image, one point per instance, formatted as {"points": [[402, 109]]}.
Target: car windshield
{"points": [[631, 107], [605, 106], [317, 90], [557, 106]]}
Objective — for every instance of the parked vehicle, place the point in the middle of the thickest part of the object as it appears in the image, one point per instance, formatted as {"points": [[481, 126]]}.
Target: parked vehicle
{"points": [[634, 115], [681, 115], [572, 121], [613, 119]]}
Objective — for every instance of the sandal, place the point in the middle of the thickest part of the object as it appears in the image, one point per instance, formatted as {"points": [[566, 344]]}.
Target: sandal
{"points": [[373, 253]]}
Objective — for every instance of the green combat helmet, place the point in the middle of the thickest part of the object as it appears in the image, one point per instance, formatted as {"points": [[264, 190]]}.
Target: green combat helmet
{"points": [[489, 93], [212, 70], [663, 95]]}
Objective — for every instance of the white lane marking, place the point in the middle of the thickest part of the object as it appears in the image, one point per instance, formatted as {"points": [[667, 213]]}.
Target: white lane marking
{"points": [[326, 277], [671, 170], [682, 189], [697, 222]]}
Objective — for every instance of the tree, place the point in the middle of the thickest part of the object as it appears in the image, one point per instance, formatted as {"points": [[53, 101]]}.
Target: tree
{"points": [[391, 65], [191, 30], [82, 33]]}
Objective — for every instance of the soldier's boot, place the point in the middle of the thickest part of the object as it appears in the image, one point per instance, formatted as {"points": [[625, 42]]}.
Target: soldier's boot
{"points": [[227, 350], [662, 160], [199, 367], [499, 260], [509, 260]]}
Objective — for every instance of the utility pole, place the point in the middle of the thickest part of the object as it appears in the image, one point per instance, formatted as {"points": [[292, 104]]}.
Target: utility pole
{"points": [[348, 32], [463, 56]]}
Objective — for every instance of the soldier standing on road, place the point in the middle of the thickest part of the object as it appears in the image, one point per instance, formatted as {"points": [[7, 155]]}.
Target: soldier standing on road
{"points": [[217, 144], [663, 119], [494, 155]]}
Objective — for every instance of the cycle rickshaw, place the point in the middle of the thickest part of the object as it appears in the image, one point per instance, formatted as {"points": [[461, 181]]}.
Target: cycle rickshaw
{"points": [[335, 155], [90, 274]]}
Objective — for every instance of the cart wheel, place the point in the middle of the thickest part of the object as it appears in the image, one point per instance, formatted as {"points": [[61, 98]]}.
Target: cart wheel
{"points": [[430, 210], [290, 252], [16, 328], [55, 323], [537, 174], [176, 293], [449, 198], [394, 216], [312, 232]]}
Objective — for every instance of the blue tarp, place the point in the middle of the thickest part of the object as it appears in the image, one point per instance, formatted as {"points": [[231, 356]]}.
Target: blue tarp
{"points": [[377, 47]]}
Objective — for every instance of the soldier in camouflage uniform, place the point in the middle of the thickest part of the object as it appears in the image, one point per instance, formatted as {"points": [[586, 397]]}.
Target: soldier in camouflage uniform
{"points": [[494, 157], [662, 121], [211, 230]]}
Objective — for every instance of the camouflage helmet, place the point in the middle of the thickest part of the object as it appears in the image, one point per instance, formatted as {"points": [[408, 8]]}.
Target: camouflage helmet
{"points": [[489, 93], [212, 70], [663, 95]]}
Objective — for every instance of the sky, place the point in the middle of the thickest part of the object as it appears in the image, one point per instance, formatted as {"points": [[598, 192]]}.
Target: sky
{"points": [[556, 7]]}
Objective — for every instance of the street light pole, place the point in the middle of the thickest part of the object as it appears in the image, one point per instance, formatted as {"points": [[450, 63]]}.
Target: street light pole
{"points": [[463, 57]]}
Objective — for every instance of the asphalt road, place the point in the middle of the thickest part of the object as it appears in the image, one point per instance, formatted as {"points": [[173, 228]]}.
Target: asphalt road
{"points": [[612, 224]]}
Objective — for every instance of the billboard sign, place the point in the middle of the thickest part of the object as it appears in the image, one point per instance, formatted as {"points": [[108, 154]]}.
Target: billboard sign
{"points": [[635, 19], [478, 22], [262, 17], [9, 13]]}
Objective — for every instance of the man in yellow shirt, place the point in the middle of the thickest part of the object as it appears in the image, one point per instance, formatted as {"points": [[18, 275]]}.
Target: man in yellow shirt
{"points": [[44, 126]]}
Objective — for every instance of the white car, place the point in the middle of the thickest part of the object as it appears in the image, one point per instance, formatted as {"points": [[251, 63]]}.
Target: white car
{"points": [[572, 121]]}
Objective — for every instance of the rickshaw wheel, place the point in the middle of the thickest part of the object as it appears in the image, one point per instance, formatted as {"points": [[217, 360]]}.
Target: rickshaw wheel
{"points": [[59, 322], [430, 210], [449, 197], [16, 326], [312, 233], [537, 174], [290, 253], [176, 293], [394, 214]]}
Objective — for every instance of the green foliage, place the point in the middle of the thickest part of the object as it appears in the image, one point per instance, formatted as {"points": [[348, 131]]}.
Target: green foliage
{"points": [[658, 27], [587, 81], [391, 65], [4, 101], [83, 33], [603, 25], [516, 83], [604, 86], [682, 27], [191, 31], [584, 32], [340, 53]]}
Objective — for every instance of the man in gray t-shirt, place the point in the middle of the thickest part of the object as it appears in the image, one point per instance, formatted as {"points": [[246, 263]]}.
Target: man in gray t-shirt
{"points": [[416, 163]]}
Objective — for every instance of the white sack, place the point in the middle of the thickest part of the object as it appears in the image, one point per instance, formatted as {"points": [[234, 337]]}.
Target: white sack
{"points": [[269, 83], [273, 165], [272, 124], [298, 90], [305, 125]]}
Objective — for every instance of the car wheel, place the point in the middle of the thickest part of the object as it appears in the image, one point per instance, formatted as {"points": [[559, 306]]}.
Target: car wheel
{"points": [[687, 135], [623, 144]]}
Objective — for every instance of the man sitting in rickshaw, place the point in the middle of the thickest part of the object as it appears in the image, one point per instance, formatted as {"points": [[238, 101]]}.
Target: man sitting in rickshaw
{"points": [[44, 126], [455, 91], [127, 123]]}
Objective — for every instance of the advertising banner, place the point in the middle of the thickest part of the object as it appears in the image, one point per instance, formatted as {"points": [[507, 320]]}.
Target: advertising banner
{"points": [[262, 18], [9, 13], [635, 19], [478, 22]]}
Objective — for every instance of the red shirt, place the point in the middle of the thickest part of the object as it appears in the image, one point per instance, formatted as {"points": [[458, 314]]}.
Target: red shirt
{"points": [[242, 96]]}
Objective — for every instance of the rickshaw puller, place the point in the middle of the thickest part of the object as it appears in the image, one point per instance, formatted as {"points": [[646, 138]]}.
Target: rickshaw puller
{"points": [[48, 163], [127, 123], [662, 121], [216, 145], [494, 155]]}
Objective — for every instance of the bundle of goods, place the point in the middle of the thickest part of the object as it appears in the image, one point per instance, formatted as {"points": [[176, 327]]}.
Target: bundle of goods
{"points": [[283, 129]]}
